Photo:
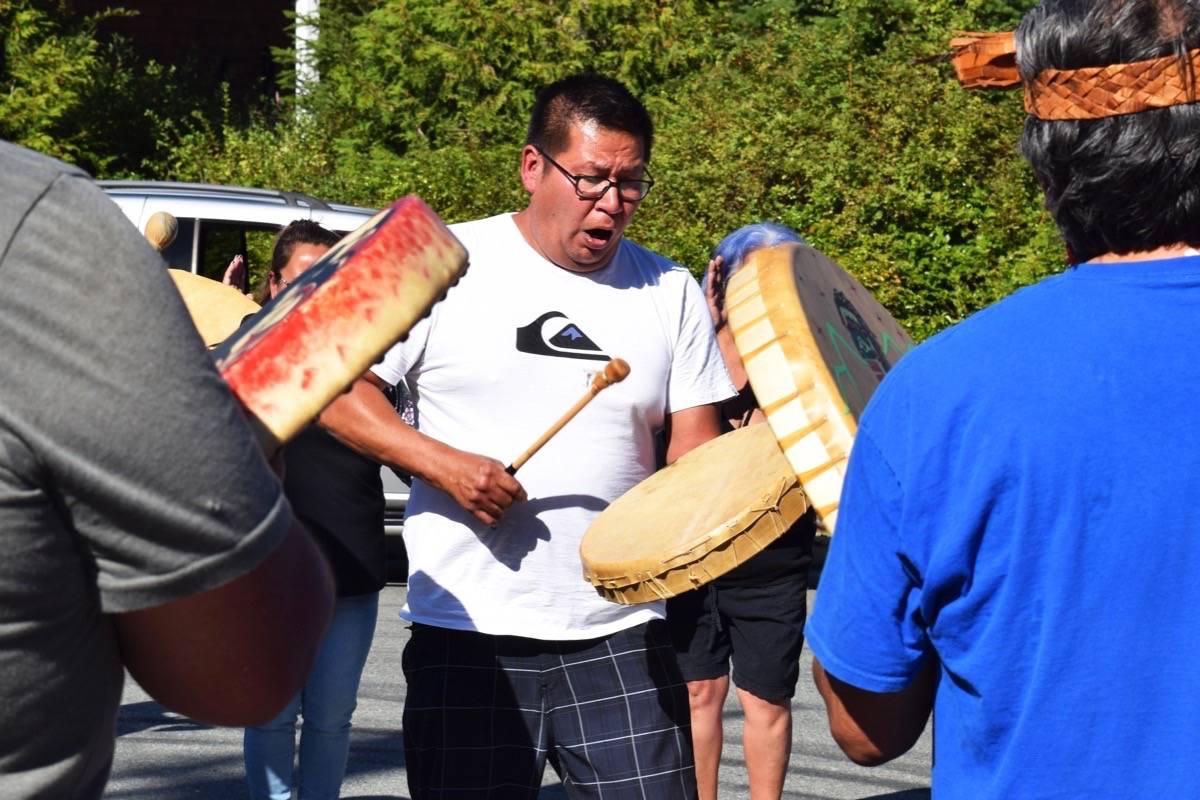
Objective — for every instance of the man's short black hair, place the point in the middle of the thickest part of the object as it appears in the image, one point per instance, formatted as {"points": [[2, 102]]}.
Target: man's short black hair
{"points": [[1125, 183], [302, 231], [586, 97]]}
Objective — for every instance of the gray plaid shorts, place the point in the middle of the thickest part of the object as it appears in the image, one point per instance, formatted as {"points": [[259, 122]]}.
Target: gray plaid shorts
{"points": [[483, 715]]}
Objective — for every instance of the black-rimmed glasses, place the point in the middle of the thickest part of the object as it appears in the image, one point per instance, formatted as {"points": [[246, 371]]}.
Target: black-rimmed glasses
{"points": [[594, 187]]}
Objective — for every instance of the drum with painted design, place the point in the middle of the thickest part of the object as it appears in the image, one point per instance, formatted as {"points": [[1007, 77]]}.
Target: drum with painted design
{"points": [[815, 344]]}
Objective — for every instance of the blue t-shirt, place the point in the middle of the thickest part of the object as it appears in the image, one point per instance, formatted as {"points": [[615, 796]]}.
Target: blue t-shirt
{"points": [[1022, 505]]}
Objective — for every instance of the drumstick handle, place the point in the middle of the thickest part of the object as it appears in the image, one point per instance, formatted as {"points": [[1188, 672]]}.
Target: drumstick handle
{"points": [[614, 372]]}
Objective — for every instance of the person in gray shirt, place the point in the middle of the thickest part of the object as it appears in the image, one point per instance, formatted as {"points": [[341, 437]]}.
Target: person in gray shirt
{"points": [[142, 527]]}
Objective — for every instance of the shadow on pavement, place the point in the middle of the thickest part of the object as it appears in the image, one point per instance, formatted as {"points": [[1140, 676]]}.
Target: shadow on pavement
{"points": [[375, 749], [197, 776], [147, 715]]}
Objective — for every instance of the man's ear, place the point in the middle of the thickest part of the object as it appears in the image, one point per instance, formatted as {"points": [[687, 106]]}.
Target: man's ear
{"points": [[531, 167]]}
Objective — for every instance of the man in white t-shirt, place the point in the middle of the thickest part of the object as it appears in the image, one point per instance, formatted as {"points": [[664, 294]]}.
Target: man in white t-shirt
{"points": [[514, 657]]}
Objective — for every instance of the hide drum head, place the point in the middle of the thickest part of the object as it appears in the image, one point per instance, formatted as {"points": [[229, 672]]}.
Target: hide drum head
{"points": [[216, 309], [694, 520]]}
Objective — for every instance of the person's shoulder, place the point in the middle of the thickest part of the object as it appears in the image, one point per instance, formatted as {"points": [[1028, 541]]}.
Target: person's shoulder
{"points": [[27, 176], [487, 239], [38, 186], [491, 243], [654, 266], [963, 355], [485, 227], [21, 162], [1016, 315]]}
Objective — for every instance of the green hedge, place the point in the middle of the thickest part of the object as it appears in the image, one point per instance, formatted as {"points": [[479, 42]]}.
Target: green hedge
{"points": [[820, 114]]}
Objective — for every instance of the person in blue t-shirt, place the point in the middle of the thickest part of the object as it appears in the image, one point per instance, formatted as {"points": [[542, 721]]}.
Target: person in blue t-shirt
{"points": [[1017, 531]]}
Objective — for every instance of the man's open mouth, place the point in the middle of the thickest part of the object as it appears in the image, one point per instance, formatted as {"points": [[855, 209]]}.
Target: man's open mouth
{"points": [[600, 234]]}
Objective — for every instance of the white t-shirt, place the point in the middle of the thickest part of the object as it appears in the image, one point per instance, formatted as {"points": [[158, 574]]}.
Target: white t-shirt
{"points": [[509, 350]]}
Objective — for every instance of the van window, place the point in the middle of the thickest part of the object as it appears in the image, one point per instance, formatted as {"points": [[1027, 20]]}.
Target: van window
{"points": [[179, 252], [220, 241]]}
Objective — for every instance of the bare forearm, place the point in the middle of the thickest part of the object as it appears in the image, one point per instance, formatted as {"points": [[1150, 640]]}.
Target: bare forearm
{"points": [[235, 655], [365, 421], [873, 728], [731, 357]]}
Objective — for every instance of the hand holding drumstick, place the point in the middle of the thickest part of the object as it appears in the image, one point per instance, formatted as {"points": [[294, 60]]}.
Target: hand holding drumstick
{"points": [[482, 485], [614, 372]]}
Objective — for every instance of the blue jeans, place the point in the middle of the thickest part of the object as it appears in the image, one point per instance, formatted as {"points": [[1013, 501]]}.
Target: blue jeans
{"points": [[326, 702]]}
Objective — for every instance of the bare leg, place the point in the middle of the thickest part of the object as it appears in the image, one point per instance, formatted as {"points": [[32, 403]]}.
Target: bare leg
{"points": [[767, 736], [706, 698]]}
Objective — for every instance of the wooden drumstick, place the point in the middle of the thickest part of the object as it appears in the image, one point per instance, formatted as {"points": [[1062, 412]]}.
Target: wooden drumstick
{"points": [[614, 372]]}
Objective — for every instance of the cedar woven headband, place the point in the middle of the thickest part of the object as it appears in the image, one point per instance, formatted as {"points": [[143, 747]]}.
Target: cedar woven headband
{"points": [[988, 61]]}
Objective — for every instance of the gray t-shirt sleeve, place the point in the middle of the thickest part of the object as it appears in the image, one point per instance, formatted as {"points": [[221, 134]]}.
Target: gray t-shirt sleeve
{"points": [[130, 428]]}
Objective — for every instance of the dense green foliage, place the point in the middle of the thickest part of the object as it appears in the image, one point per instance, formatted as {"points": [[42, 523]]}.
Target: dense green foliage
{"points": [[819, 114], [66, 93]]}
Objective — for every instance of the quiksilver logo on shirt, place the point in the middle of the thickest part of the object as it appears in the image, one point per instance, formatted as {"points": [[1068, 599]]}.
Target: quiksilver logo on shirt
{"points": [[553, 334]]}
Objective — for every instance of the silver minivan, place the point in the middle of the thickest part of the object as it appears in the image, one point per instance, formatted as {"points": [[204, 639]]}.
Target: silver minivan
{"points": [[219, 222]]}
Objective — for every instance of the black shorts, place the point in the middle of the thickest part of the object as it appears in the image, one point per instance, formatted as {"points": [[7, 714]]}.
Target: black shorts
{"points": [[757, 626]]}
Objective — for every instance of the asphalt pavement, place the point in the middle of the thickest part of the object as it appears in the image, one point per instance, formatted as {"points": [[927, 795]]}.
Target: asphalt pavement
{"points": [[162, 756]]}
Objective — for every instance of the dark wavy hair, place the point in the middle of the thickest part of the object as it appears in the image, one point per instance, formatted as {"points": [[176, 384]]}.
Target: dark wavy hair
{"points": [[301, 231], [586, 97], [1126, 183]]}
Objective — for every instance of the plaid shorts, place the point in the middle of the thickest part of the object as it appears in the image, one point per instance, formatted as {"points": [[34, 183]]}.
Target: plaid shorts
{"points": [[483, 714]]}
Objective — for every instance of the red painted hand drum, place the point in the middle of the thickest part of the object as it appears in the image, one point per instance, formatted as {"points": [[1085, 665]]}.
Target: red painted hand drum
{"points": [[340, 316]]}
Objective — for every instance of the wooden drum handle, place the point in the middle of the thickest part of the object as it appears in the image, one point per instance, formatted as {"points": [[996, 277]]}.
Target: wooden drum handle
{"points": [[614, 372]]}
